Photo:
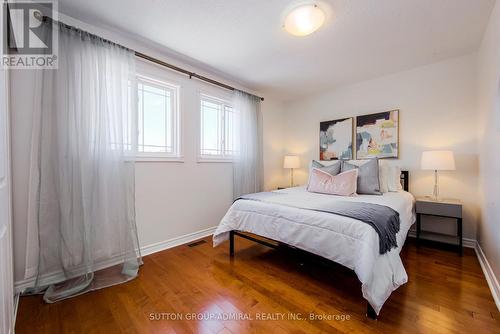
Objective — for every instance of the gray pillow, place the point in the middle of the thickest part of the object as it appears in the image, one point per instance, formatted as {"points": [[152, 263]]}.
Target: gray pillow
{"points": [[332, 169], [368, 182]]}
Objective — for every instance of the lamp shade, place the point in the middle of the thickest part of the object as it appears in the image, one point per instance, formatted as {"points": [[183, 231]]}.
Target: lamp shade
{"points": [[291, 161], [438, 160]]}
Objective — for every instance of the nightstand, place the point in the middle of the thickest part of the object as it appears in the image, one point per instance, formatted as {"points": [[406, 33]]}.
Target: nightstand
{"points": [[447, 208]]}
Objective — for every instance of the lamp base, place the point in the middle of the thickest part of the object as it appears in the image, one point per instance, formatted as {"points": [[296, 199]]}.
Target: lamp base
{"points": [[435, 192], [436, 199]]}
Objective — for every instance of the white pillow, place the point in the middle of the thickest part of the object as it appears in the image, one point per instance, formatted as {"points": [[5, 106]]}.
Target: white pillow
{"points": [[383, 176], [389, 177], [394, 179]]}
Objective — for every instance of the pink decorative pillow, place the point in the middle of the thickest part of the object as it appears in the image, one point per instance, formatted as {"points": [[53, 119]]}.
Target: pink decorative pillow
{"points": [[343, 184]]}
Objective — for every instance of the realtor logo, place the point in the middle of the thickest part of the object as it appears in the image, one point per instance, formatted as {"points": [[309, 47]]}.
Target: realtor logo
{"points": [[29, 37]]}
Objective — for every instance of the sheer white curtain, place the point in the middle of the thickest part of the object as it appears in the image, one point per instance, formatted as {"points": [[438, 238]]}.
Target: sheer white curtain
{"points": [[81, 207], [247, 163]]}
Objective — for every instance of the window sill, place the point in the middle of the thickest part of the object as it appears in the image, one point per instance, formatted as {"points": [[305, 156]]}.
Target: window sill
{"points": [[212, 160], [159, 159]]}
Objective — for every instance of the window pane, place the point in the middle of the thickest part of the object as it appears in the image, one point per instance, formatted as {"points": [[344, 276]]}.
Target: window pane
{"points": [[231, 119], [154, 90], [210, 128], [155, 119], [169, 122], [140, 118]]}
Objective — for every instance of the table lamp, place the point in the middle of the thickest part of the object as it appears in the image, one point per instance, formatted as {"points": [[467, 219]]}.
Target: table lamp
{"points": [[291, 162], [436, 161]]}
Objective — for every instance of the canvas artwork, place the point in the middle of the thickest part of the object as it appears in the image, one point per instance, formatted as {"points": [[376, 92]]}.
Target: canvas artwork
{"points": [[335, 139], [377, 135]]}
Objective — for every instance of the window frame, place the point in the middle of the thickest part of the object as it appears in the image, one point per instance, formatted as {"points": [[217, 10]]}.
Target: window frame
{"points": [[160, 81], [221, 158]]}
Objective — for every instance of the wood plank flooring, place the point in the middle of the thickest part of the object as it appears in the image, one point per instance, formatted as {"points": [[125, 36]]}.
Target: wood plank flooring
{"points": [[445, 294]]}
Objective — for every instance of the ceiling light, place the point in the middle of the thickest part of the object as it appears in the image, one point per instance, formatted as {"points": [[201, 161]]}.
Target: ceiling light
{"points": [[304, 20]]}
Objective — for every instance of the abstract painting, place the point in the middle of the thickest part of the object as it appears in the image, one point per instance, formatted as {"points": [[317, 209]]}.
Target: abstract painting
{"points": [[335, 139], [377, 135]]}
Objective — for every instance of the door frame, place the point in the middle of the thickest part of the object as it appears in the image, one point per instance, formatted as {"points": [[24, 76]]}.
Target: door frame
{"points": [[6, 185]]}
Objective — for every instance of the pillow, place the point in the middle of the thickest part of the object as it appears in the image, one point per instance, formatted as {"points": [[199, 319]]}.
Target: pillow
{"points": [[331, 168], [343, 184], [383, 176], [368, 182], [389, 177], [394, 179]]}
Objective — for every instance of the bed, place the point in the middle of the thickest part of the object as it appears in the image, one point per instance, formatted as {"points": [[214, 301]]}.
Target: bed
{"points": [[337, 238]]}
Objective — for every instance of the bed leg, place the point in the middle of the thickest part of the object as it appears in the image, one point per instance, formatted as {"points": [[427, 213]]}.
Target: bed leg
{"points": [[231, 243], [370, 312]]}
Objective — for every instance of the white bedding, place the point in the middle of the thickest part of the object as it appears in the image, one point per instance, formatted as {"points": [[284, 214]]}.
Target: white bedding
{"points": [[344, 240]]}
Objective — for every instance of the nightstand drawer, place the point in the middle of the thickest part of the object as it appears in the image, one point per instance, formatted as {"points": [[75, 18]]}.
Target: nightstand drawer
{"points": [[439, 209]]}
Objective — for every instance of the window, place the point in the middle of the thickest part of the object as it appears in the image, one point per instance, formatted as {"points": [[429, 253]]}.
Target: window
{"points": [[217, 127], [157, 119]]}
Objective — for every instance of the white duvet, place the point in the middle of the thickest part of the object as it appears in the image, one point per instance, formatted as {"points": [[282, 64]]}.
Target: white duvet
{"points": [[344, 240]]}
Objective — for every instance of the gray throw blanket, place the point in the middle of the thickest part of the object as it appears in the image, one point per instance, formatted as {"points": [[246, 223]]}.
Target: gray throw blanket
{"points": [[383, 219]]}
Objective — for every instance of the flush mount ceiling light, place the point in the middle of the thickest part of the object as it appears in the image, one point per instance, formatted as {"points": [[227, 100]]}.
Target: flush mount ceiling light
{"points": [[304, 19]]}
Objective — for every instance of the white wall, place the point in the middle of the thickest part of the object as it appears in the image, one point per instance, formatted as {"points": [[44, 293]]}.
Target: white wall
{"points": [[176, 198], [172, 199], [437, 111], [489, 140]]}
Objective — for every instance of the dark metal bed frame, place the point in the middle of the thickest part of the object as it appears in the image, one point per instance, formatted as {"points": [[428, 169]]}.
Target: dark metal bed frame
{"points": [[370, 312]]}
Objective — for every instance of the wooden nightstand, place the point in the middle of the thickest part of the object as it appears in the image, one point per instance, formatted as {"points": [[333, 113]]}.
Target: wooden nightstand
{"points": [[448, 208]]}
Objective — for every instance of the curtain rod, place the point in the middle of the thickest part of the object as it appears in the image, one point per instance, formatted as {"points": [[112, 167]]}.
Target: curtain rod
{"points": [[41, 17]]}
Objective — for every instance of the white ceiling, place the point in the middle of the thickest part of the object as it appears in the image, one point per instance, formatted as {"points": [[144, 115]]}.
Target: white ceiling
{"points": [[244, 39]]}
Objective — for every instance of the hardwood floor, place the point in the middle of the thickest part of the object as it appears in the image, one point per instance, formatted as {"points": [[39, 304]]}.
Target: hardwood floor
{"points": [[445, 294]]}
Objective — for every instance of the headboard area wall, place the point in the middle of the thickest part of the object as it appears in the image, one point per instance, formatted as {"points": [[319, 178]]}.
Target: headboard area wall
{"points": [[436, 106]]}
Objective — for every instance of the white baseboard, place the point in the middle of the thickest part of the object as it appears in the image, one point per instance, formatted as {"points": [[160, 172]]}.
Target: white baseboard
{"points": [[22, 285], [489, 274], [467, 242], [174, 242]]}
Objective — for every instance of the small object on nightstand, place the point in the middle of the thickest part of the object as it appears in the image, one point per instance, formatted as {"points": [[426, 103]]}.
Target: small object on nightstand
{"points": [[281, 188], [448, 208]]}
